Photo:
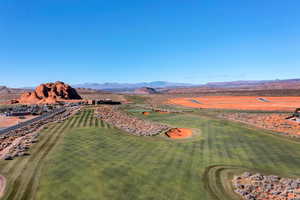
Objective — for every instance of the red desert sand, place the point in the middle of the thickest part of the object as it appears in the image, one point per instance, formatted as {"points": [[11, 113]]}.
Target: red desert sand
{"points": [[240, 102], [11, 121], [179, 133], [157, 111], [145, 113]]}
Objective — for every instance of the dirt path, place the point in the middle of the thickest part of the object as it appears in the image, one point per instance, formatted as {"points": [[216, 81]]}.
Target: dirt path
{"points": [[2, 185]]}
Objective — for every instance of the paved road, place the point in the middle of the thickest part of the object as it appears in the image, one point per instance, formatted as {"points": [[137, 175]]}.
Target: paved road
{"points": [[42, 117]]}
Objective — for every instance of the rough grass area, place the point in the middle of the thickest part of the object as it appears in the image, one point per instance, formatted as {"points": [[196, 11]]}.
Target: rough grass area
{"points": [[84, 158], [138, 99]]}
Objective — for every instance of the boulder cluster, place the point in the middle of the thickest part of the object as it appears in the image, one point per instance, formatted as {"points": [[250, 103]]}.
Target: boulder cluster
{"points": [[259, 187], [49, 93], [130, 124], [272, 121], [21, 147]]}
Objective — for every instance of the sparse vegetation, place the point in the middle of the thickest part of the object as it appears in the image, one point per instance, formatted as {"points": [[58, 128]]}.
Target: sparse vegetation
{"points": [[138, 99]]}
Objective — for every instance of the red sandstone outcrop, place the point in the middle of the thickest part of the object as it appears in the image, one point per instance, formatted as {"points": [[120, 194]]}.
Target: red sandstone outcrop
{"points": [[50, 93]]}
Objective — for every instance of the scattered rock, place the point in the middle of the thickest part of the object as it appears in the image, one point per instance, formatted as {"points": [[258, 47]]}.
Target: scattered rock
{"points": [[259, 187], [130, 124]]}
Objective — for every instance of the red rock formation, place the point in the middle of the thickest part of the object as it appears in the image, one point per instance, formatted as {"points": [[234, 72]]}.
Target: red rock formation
{"points": [[50, 93]]}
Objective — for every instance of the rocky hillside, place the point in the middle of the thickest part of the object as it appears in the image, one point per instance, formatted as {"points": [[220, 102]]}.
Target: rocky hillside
{"points": [[7, 94], [145, 90], [281, 87]]}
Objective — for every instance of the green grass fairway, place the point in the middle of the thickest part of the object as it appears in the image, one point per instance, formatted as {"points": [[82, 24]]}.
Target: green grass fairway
{"points": [[87, 159]]}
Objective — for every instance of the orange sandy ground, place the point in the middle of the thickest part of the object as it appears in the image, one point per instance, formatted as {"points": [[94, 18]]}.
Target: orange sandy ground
{"points": [[10, 121], [179, 133], [274, 122], [240, 103], [145, 113], [157, 111]]}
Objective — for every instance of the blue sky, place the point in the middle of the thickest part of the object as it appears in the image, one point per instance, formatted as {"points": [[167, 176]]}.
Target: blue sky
{"points": [[195, 41]]}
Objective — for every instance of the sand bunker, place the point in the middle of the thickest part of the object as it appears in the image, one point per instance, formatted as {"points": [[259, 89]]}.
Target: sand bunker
{"points": [[240, 102], [2, 185], [179, 133], [156, 111], [145, 113]]}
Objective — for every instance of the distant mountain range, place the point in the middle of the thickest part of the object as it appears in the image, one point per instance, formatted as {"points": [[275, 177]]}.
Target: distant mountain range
{"points": [[5, 90], [10, 93], [169, 87], [235, 84], [131, 86], [287, 84], [177, 87]]}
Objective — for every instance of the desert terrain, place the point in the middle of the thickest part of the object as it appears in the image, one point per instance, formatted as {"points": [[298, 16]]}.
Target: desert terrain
{"points": [[209, 146], [268, 103], [11, 121]]}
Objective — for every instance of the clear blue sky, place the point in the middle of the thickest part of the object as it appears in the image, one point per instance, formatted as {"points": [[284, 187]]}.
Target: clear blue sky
{"points": [[194, 41]]}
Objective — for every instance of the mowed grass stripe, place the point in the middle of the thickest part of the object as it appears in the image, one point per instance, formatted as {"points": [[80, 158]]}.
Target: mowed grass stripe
{"points": [[97, 123], [33, 161], [83, 117], [8, 166], [23, 173], [78, 120], [101, 124], [92, 120], [87, 117], [240, 148], [115, 165], [74, 122], [32, 184]]}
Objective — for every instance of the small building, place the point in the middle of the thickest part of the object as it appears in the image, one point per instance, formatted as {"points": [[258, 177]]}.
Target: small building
{"points": [[108, 102], [91, 102], [297, 113], [295, 116], [17, 113]]}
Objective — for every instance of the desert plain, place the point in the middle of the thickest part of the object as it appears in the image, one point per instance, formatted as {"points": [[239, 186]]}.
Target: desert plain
{"points": [[149, 145]]}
